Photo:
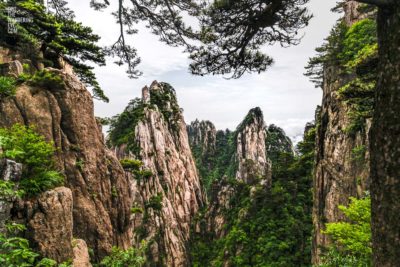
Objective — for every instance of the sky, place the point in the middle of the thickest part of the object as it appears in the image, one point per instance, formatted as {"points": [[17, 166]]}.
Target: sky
{"points": [[285, 95]]}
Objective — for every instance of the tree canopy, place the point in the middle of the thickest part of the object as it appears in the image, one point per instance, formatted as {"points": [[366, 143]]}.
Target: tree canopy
{"points": [[52, 34], [222, 36]]}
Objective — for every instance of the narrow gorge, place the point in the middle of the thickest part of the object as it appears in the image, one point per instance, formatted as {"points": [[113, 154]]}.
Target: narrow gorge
{"points": [[146, 188]]}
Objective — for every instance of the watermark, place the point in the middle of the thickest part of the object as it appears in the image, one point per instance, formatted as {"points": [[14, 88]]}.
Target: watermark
{"points": [[13, 20]]}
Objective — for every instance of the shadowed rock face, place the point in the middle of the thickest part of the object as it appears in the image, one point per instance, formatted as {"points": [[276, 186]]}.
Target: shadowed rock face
{"points": [[65, 116], [171, 196], [338, 174], [251, 165], [9, 171]]}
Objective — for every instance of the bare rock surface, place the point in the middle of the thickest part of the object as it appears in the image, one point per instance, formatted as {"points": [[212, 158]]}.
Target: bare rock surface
{"points": [[171, 196], [65, 117]]}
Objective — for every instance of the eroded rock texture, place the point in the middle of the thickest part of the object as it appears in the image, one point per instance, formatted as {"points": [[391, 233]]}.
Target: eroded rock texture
{"points": [[342, 159], [49, 222], [170, 194], [250, 165], [203, 134], [64, 115], [9, 171], [251, 153]]}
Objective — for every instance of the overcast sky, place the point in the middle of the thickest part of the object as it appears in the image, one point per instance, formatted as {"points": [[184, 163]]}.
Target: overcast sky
{"points": [[286, 97]]}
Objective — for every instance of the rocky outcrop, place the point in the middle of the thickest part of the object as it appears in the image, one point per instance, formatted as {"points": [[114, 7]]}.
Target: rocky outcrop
{"points": [[81, 254], [100, 191], [10, 171], [48, 218], [342, 159], [250, 165], [202, 135], [251, 153], [169, 196]]}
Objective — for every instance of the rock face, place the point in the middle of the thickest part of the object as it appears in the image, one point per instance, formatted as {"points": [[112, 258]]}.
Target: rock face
{"points": [[342, 160], [251, 153], [250, 165], [81, 254], [9, 171], [49, 223], [170, 196], [100, 191], [202, 134]]}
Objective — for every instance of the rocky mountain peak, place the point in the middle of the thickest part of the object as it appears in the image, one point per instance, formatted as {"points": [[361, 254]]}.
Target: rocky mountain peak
{"points": [[166, 186], [251, 153], [202, 134]]}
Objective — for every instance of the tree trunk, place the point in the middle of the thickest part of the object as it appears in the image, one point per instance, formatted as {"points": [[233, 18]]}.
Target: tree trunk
{"points": [[385, 143]]}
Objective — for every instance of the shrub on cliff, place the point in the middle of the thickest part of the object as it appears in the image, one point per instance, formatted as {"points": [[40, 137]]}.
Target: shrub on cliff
{"points": [[132, 257], [16, 251], [352, 237], [7, 86], [25, 146], [54, 34]]}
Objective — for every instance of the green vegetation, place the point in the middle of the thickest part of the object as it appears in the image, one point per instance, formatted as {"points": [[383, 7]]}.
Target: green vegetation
{"points": [[277, 143], [358, 153], [213, 165], [46, 79], [25, 146], [16, 252], [266, 226], [122, 126], [353, 52], [131, 164], [54, 34], [7, 86], [351, 238], [155, 202], [132, 257], [135, 210], [360, 43]]}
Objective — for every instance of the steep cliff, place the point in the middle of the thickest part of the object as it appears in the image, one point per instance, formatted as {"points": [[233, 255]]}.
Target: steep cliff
{"points": [[253, 164], [277, 143], [168, 193], [257, 214], [342, 154], [60, 108]]}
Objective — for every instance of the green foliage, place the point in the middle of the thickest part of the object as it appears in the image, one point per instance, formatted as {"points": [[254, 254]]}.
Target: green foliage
{"points": [[358, 153], [7, 86], [131, 164], [351, 50], [46, 79], [155, 202], [143, 174], [213, 165], [122, 126], [132, 257], [55, 35], [351, 238], [277, 143], [167, 103], [135, 210], [25, 146], [266, 226], [16, 252], [359, 43]]}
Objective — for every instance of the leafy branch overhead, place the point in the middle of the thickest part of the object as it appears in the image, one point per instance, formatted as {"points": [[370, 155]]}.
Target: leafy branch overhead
{"points": [[222, 37]]}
